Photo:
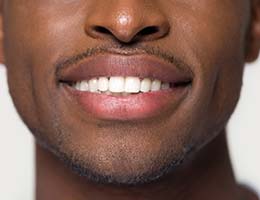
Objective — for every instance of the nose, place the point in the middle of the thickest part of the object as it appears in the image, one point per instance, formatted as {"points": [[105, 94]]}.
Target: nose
{"points": [[126, 21]]}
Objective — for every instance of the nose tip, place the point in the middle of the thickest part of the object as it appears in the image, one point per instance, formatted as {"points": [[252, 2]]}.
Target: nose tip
{"points": [[127, 24]]}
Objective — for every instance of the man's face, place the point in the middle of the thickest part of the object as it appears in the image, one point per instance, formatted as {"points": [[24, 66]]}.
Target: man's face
{"points": [[203, 43]]}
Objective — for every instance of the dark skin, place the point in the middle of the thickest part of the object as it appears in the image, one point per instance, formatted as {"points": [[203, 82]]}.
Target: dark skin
{"points": [[215, 38]]}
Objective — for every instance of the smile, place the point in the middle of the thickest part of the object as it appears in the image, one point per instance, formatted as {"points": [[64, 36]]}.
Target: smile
{"points": [[119, 87]]}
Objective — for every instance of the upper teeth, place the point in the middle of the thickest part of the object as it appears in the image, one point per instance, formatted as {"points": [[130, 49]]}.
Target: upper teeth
{"points": [[120, 84]]}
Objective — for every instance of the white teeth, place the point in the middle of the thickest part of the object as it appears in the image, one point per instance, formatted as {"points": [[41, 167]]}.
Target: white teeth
{"points": [[121, 85], [103, 84], [156, 85], [116, 84], [93, 85], [146, 85], [84, 86], [132, 84], [165, 86], [77, 86]]}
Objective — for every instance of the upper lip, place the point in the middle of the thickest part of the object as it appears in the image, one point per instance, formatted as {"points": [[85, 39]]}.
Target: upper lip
{"points": [[113, 64]]}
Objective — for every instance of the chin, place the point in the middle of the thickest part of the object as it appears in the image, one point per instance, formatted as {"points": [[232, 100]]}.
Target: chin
{"points": [[132, 175], [127, 165]]}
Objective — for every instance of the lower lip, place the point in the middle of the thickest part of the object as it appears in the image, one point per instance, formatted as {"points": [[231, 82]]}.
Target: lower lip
{"points": [[131, 107]]}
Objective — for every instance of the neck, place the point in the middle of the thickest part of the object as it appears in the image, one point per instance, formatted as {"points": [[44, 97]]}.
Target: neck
{"points": [[207, 175]]}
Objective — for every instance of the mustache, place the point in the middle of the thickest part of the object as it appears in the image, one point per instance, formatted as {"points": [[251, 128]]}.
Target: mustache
{"points": [[70, 61]]}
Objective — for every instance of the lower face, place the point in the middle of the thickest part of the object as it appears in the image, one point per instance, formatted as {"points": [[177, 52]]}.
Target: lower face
{"points": [[119, 144]]}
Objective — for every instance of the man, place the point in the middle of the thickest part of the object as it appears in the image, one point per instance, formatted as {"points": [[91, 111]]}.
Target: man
{"points": [[128, 99]]}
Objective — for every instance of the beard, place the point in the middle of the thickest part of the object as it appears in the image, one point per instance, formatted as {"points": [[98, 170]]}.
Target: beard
{"points": [[154, 168]]}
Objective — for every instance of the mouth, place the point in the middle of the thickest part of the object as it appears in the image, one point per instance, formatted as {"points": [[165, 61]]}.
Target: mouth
{"points": [[123, 87]]}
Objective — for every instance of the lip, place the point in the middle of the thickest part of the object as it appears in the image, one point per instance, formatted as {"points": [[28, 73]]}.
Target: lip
{"points": [[123, 108], [142, 66], [131, 107]]}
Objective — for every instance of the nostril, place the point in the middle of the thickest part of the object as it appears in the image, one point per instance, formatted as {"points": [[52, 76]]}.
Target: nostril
{"points": [[98, 31], [101, 29], [148, 31]]}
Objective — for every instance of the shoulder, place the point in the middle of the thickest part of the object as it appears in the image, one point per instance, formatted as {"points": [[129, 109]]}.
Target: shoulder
{"points": [[247, 193]]}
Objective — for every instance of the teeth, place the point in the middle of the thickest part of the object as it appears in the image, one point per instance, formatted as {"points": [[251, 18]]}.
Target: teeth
{"points": [[103, 84], [165, 86], [116, 84], [84, 86], [132, 84], [146, 85], [93, 85], [120, 85], [77, 86], [156, 85]]}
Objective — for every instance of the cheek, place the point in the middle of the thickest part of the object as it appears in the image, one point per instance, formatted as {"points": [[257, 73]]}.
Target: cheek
{"points": [[212, 38], [221, 51], [227, 91], [223, 54], [31, 48]]}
